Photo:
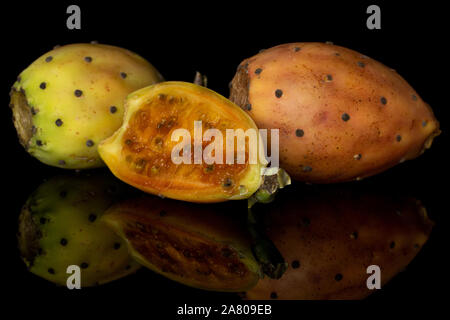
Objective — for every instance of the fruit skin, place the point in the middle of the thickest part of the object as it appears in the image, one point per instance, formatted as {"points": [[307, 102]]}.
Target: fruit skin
{"points": [[60, 226], [331, 239], [188, 182], [342, 116], [62, 127], [202, 246]]}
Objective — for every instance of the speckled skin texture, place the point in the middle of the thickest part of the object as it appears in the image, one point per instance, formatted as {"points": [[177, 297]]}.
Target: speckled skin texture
{"points": [[60, 226], [342, 115], [332, 237], [71, 98]]}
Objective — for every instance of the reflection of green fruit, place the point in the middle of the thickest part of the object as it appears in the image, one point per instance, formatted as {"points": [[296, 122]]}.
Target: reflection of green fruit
{"points": [[329, 238], [71, 98], [59, 226], [198, 245]]}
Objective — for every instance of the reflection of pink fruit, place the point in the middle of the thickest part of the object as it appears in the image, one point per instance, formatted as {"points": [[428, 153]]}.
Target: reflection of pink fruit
{"points": [[330, 239]]}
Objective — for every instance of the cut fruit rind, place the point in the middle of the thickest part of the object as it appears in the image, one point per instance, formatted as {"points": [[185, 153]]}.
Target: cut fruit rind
{"points": [[266, 253], [187, 243], [140, 152], [270, 186]]}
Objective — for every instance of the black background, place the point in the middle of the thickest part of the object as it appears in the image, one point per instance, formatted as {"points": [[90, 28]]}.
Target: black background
{"points": [[214, 37]]}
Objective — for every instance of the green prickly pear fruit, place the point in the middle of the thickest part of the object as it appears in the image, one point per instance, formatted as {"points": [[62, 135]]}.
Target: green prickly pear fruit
{"points": [[60, 226], [71, 98]]}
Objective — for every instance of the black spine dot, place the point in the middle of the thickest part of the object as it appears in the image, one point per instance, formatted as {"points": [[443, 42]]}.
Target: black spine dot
{"points": [[354, 235], [424, 123], [113, 109], [357, 156], [383, 100], [51, 271], [42, 220], [116, 245], [39, 142], [63, 242], [61, 162], [58, 122], [414, 97], [43, 85], [306, 169], [92, 217], [295, 264], [78, 93], [398, 138], [63, 194], [48, 59], [278, 93], [258, 71], [361, 64], [84, 265], [338, 277], [329, 77], [33, 111], [273, 295], [88, 59], [123, 75], [392, 245], [299, 133], [228, 183], [345, 117], [248, 107], [89, 143], [297, 49]]}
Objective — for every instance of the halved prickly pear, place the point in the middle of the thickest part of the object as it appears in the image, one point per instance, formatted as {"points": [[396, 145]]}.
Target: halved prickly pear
{"points": [[141, 151], [197, 245]]}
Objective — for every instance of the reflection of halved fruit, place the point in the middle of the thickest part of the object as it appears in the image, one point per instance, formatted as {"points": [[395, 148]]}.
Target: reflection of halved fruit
{"points": [[199, 246], [332, 237], [140, 152]]}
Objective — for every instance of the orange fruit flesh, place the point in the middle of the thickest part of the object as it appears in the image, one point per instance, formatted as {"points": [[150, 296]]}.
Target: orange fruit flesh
{"points": [[142, 155]]}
